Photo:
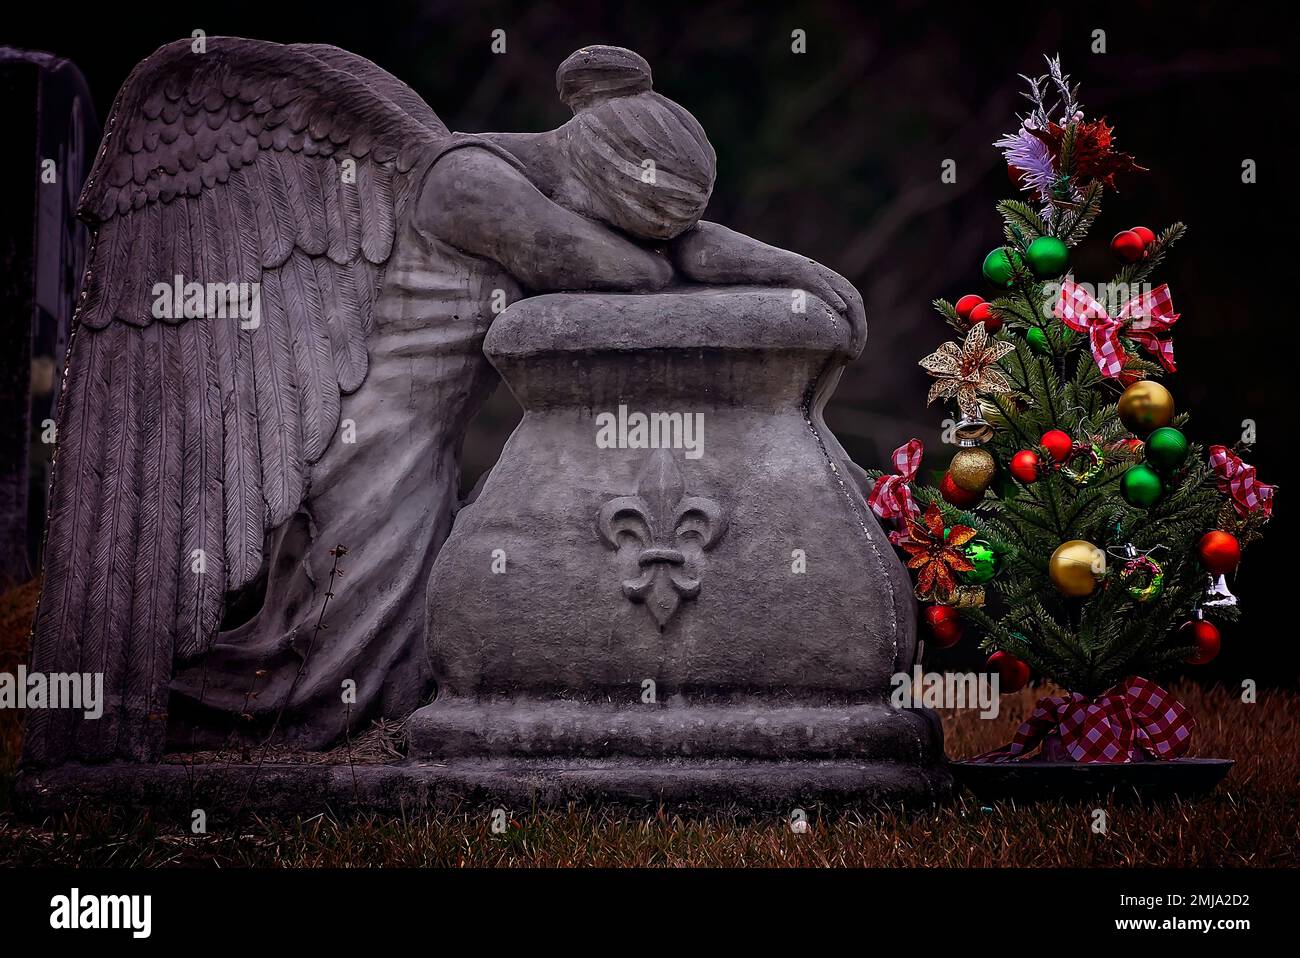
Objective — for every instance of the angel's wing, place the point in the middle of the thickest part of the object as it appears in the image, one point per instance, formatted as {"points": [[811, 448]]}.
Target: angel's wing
{"points": [[182, 441]]}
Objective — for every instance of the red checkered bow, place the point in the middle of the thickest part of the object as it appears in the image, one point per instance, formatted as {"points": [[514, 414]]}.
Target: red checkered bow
{"points": [[1145, 319], [1237, 480], [891, 496], [1129, 720]]}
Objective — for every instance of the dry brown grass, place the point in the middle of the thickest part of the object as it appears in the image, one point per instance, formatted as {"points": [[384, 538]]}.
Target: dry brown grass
{"points": [[1251, 820], [17, 609]]}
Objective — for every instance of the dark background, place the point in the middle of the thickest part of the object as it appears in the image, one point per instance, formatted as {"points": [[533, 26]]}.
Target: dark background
{"points": [[836, 153]]}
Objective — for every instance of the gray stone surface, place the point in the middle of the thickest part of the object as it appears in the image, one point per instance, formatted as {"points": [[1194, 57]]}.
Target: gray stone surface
{"points": [[233, 792], [454, 728], [385, 248], [558, 618], [743, 581]]}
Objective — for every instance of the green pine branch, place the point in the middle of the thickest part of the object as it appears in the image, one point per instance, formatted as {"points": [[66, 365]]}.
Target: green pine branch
{"points": [[1083, 643]]}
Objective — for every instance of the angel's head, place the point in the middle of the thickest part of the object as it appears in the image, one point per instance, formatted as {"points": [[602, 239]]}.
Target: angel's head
{"points": [[644, 162]]}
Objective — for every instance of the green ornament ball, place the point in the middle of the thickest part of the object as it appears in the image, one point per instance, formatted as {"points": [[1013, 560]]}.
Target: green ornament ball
{"points": [[1140, 486], [981, 555], [1048, 256], [1039, 343], [1000, 266], [1166, 448]]}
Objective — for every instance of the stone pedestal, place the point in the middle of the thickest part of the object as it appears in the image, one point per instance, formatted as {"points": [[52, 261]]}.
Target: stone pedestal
{"points": [[668, 585]]}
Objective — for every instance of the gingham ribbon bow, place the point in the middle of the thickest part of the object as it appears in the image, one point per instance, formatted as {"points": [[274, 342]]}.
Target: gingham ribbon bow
{"points": [[1145, 319], [891, 496], [1132, 718], [1237, 480]]}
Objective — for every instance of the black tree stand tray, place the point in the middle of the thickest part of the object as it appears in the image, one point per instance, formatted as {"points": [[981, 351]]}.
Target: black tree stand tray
{"points": [[1032, 781]]}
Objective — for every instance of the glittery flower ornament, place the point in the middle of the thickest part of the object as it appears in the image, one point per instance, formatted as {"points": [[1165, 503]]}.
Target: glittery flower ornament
{"points": [[968, 370], [934, 556]]}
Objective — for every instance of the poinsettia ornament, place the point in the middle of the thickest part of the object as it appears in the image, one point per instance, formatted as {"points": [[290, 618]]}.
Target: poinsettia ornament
{"points": [[1093, 150], [967, 371], [935, 557]]}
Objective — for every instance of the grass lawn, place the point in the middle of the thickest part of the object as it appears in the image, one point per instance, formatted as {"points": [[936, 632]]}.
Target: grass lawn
{"points": [[1250, 820]]}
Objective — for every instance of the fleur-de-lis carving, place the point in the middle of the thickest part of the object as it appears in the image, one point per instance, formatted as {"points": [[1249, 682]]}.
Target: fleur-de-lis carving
{"points": [[670, 531]]}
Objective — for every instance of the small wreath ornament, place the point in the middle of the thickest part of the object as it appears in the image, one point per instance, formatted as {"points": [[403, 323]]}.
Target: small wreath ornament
{"points": [[1083, 463], [1142, 576]]}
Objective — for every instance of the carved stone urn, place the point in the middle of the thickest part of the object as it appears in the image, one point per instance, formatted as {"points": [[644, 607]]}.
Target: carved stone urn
{"points": [[668, 587]]}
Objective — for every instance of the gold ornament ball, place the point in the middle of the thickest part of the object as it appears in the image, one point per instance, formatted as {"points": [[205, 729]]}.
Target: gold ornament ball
{"points": [[1145, 406], [1076, 566], [972, 469]]}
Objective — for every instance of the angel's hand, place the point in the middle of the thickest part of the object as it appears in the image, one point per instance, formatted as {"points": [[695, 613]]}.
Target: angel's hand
{"points": [[821, 281], [709, 253]]}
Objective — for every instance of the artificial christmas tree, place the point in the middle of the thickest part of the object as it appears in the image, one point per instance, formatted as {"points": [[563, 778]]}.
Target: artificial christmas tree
{"points": [[1078, 530]]}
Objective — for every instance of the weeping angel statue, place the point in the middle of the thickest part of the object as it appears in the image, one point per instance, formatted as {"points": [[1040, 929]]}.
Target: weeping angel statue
{"points": [[211, 459]]}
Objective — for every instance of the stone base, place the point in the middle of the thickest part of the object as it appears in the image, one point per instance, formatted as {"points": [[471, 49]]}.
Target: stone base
{"points": [[745, 728], [747, 751], [229, 792], [517, 753]]}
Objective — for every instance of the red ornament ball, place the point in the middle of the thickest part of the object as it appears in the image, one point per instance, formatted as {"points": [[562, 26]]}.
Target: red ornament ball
{"points": [[956, 495], [983, 313], [1204, 637], [1024, 466], [966, 304], [1127, 246], [1058, 443], [945, 625], [1148, 237], [1220, 552], [1015, 174], [1013, 674]]}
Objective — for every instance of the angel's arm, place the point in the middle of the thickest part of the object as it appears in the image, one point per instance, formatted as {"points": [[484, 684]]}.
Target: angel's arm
{"points": [[481, 205], [709, 253]]}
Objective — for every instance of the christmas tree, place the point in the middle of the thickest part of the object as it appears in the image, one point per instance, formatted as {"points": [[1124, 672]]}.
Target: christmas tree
{"points": [[1077, 529]]}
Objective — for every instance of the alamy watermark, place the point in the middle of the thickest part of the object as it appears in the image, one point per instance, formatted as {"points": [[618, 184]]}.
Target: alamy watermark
{"points": [[75, 911], [655, 430], [948, 690], [80, 691], [1111, 297], [181, 300]]}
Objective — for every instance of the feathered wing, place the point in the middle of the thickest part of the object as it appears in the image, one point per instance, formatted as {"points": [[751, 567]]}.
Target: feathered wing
{"points": [[183, 441]]}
